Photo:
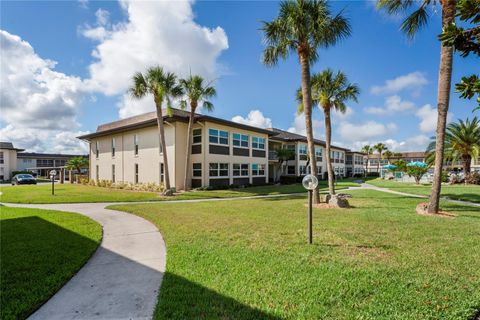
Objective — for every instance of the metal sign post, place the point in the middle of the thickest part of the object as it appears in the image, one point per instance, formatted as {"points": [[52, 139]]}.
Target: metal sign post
{"points": [[310, 182], [53, 173]]}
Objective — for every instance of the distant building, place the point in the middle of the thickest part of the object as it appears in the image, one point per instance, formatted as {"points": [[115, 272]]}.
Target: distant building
{"points": [[8, 160], [13, 159]]}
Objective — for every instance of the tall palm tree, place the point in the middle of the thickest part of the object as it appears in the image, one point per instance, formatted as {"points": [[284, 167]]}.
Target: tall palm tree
{"points": [[303, 27], [368, 150], [462, 142], [163, 87], [380, 148], [415, 21], [388, 155], [195, 90], [330, 91]]}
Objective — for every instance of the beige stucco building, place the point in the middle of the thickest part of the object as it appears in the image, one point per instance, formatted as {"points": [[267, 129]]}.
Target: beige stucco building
{"points": [[223, 152], [8, 160]]}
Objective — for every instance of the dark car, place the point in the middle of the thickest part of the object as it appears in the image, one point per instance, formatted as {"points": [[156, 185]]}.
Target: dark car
{"points": [[23, 179]]}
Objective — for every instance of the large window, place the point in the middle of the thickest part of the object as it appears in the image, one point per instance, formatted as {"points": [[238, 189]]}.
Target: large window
{"points": [[240, 140], [135, 143], [197, 169], [303, 170], [113, 147], [290, 169], [218, 170], [1, 157], [218, 136], [136, 172], [240, 170], [302, 151], [197, 136], [113, 173], [97, 148], [258, 169], [258, 143]]}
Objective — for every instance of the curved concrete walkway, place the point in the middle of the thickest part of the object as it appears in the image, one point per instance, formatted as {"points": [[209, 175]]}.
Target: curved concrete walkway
{"points": [[122, 278]]}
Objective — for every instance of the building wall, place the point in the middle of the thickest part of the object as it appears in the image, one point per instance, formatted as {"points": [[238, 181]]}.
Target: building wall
{"points": [[9, 163], [24, 164]]}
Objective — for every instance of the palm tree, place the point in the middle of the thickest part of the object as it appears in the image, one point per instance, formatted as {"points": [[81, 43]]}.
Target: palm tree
{"points": [[303, 27], [388, 155], [330, 91], [415, 21], [462, 142], [195, 90], [76, 163], [368, 150], [379, 147], [162, 86]]}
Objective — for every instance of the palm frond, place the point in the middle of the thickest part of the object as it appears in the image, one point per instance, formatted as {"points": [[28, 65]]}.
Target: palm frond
{"points": [[414, 22], [140, 87]]}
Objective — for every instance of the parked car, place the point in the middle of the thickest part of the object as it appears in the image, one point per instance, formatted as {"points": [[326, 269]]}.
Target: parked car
{"points": [[23, 179]]}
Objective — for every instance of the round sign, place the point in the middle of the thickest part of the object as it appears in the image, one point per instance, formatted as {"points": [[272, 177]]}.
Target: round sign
{"points": [[310, 182], [53, 172]]}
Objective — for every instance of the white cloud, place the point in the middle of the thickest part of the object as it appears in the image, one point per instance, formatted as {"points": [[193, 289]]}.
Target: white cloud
{"points": [[83, 4], [393, 106], [428, 118], [338, 116], [254, 118], [156, 33], [98, 32], [413, 81], [364, 131], [37, 102], [415, 143], [299, 127]]}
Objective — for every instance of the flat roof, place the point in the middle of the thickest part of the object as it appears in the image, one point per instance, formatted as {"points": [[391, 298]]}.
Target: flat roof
{"points": [[286, 136], [30, 155]]}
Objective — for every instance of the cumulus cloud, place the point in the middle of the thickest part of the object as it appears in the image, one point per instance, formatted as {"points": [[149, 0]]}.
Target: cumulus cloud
{"points": [[364, 131], [428, 118], [413, 81], [150, 37], [393, 105], [298, 126], [338, 116], [254, 118], [37, 102], [98, 32]]}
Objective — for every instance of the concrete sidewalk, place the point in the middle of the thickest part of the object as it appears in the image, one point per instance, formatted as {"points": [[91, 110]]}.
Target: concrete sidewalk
{"points": [[122, 278]]}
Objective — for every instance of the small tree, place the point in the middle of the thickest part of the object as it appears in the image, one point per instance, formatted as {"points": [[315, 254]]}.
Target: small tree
{"points": [[283, 155], [416, 172]]}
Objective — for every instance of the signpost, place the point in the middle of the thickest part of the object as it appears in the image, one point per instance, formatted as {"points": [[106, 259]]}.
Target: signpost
{"points": [[53, 173], [310, 182]]}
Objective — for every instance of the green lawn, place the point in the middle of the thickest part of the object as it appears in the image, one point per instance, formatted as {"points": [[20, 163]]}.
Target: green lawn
{"points": [[73, 193], [456, 191], [40, 251], [248, 259]]}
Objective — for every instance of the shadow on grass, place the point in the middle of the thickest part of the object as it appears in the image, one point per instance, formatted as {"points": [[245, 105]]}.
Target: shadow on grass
{"points": [[38, 257], [471, 197]]}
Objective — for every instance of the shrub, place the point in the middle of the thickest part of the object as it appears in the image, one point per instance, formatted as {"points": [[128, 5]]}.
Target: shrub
{"points": [[445, 177], [288, 179], [373, 174], [473, 178], [455, 179]]}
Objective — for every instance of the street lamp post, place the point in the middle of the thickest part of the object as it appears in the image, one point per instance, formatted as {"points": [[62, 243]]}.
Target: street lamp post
{"points": [[310, 182], [53, 173]]}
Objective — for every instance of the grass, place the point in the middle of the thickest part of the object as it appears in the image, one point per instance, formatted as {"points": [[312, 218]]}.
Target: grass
{"points": [[41, 251], [456, 191], [73, 193], [248, 259]]}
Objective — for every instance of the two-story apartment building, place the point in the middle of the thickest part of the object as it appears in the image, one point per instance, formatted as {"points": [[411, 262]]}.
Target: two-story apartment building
{"points": [[8, 160], [223, 152], [354, 164]]}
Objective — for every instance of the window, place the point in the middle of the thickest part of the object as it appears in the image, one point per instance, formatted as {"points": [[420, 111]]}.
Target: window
{"points": [[258, 169], [113, 147], [97, 173], [97, 148], [302, 149], [197, 136], [218, 170], [197, 169], [240, 170], [258, 143], [218, 136], [44, 162], [162, 173], [290, 169], [318, 153], [240, 140], [136, 172], [1, 157], [135, 143], [303, 170], [113, 173], [319, 170]]}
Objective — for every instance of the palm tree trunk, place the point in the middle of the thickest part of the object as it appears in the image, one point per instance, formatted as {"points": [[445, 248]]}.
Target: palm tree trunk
{"points": [[307, 103], [188, 167], [161, 132], [444, 84], [366, 165], [467, 160], [328, 138]]}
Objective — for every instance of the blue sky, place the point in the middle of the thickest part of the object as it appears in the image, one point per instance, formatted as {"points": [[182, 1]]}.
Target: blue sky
{"points": [[98, 45]]}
